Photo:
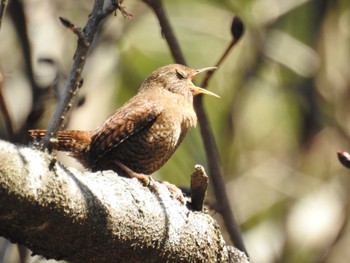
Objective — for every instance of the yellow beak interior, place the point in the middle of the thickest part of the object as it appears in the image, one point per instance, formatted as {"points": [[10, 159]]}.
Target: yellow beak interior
{"points": [[197, 90]]}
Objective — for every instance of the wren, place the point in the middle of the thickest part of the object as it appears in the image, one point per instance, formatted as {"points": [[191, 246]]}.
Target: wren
{"points": [[141, 136]]}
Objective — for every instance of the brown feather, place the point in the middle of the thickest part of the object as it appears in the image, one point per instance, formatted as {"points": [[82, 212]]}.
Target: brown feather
{"points": [[68, 141]]}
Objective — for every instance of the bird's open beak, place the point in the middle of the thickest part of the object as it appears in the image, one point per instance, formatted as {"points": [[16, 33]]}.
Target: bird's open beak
{"points": [[197, 90]]}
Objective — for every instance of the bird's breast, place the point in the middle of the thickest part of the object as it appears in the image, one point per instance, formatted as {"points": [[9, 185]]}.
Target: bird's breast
{"points": [[174, 122], [152, 147]]}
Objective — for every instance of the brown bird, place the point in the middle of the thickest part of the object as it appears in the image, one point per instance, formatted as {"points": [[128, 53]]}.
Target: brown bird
{"points": [[141, 136]]}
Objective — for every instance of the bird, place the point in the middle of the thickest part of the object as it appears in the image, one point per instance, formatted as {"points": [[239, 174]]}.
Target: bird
{"points": [[142, 135]]}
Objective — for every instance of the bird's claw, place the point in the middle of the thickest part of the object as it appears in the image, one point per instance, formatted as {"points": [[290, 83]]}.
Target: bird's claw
{"points": [[149, 182], [175, 191]]}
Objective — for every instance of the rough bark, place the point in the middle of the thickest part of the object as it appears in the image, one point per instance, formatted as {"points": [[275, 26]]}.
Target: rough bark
{"points": [[61, 213]]}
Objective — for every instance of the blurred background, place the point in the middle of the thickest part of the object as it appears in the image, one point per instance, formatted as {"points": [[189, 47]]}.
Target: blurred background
{"points": [[282, 116]]}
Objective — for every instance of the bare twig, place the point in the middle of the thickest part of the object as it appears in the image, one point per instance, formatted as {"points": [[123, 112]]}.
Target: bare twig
{"points": [[117, 4], [207, 135], [167, 30], [85, 38], [16, 11], [237, 30], [74, 29]]}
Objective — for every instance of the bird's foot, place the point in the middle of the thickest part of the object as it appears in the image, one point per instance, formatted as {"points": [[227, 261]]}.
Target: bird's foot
{"points": [[149, 181], [145, 179], [176, 192]]}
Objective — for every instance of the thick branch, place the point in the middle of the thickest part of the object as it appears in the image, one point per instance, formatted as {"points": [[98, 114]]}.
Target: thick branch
{"points": [[99, 217]]}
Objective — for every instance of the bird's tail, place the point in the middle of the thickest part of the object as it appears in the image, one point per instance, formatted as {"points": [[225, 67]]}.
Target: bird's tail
{"points": [[69, 141]]}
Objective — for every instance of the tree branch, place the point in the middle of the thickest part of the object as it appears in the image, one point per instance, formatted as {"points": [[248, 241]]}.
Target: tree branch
{"points": [[167, 31], [99, 217], [73, 83]]}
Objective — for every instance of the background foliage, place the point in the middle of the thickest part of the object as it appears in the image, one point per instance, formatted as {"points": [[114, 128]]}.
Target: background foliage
{"points": [[282, 115]]}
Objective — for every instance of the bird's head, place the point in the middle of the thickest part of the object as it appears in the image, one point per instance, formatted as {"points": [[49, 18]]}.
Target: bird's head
{"points": [[177, 79]]}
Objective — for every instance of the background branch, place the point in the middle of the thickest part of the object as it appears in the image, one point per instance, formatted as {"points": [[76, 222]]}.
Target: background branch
{"points": [[73, 82], [167, 31], [84, 217]]}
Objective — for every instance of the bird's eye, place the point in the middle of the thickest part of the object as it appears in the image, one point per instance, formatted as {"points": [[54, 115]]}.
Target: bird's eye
{"points": [[181, 74]]}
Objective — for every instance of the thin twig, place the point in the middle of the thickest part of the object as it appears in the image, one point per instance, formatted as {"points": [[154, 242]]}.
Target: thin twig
{"points": [[167, 31], [76, 30], [207, 134], [237, 30], [73, 82], [117, 4]]}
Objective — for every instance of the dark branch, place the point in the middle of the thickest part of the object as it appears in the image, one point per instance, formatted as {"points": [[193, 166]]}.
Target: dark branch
{"points": [[167, 31], [237, 30], [76, 30]]}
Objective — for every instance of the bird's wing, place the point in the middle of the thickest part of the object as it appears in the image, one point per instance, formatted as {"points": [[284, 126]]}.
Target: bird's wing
{"points": [[121, 125]]}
